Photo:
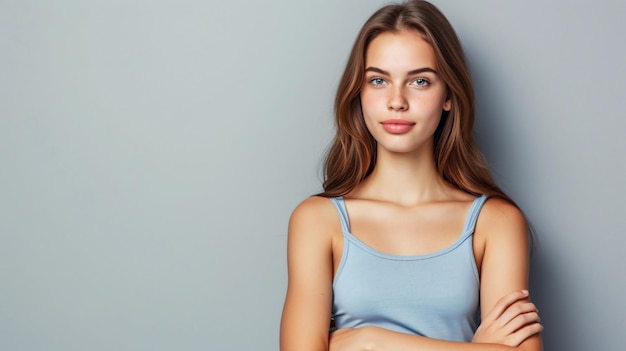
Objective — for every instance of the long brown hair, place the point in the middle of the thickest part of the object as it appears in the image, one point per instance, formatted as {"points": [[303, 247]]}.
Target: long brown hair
{"points": [[352, 155]]}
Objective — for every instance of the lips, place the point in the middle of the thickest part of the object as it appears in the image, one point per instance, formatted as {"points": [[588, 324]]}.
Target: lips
{"points": [[397, 126]]}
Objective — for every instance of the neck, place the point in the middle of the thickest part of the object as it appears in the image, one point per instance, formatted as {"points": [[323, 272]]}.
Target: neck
{"points": [[407, 179]]}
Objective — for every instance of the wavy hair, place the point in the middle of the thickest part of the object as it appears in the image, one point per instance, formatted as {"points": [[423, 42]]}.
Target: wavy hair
{"points": [[459, 162]]}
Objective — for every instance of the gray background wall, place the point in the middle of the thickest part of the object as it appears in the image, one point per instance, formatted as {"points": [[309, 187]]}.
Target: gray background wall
{"points": [[151, 153]]}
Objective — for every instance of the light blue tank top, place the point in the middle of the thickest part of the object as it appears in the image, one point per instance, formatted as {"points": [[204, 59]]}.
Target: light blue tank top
{"points": [[434, 295]]}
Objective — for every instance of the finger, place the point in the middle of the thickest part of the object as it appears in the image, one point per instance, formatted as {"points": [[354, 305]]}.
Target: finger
{"points": [[521, 321], [523, 333], [515, 310], [505, 302]]}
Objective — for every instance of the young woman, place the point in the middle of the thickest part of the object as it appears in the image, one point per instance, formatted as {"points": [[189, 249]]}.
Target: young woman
{"points": [[411, 246]]}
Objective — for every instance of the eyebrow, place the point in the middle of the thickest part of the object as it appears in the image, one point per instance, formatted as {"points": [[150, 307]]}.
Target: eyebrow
{"points": [[415, 71]]}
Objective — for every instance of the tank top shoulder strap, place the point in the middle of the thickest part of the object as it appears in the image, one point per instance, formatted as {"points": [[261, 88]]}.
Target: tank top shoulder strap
{"points": [[472, 216], [340, 205]]}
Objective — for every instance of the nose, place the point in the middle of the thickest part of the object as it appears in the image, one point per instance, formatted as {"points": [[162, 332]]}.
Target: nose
{"points": [[397, 100]]}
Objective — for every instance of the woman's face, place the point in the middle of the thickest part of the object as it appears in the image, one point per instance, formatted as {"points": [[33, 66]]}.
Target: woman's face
{"points": [[402, 96]]}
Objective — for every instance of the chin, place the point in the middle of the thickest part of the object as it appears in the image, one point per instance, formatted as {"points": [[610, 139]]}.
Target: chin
{"points": [[408, 147], [398, 149]]}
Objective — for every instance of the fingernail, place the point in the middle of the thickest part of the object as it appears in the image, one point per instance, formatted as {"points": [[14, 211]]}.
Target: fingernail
{"points": [[525, 292]]}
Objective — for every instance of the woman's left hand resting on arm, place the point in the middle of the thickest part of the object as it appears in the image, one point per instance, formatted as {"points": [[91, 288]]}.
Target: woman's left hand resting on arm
{"points": [[509, 320]]}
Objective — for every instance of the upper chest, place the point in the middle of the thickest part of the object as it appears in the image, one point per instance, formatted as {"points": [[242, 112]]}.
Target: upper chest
{"points": [[399, 230]]}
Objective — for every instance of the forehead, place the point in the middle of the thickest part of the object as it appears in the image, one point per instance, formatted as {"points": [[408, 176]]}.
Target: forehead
{"points": [[403, 50]]}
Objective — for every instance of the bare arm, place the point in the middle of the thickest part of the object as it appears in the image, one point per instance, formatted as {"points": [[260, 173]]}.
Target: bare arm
{"points": [[504, 268], [508, 321], [306, 313]]}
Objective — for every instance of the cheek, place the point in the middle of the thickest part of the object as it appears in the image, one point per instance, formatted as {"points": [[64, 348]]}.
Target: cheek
{"points": [[434, 105], [369, 107], [369, 120], [368, 99]]}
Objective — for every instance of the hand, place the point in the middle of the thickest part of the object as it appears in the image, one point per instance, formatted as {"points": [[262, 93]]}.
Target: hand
{"points": [[510, 322], [351, 339]]}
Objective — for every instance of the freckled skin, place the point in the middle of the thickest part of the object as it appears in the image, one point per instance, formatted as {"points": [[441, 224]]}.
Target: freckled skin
{"points": [[401, 83]]}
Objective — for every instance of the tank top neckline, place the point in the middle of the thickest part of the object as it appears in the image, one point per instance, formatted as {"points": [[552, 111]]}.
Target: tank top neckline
{"points": [[466, 232]]}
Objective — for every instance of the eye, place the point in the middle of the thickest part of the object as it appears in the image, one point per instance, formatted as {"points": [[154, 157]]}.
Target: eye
{"points": [[377, 82], [421, 82]]}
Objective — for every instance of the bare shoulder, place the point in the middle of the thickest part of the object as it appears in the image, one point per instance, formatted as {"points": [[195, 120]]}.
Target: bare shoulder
{"points": [[499, 216], [314, 208], [314, 214]]}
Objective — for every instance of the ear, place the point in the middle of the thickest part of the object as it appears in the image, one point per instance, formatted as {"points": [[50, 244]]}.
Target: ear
{"points": [[447, 105]]}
